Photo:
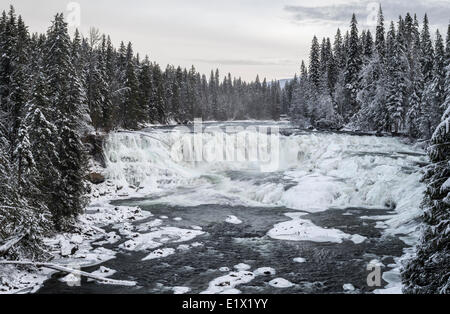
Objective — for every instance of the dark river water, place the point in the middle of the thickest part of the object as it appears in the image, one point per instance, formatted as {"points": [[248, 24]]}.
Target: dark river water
{"points": [[327, 268]]}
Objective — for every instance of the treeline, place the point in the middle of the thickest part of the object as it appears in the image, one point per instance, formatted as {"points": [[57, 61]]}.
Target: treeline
{"points": [[392, 81], [54, 89], [123, 91], [42, 159]]}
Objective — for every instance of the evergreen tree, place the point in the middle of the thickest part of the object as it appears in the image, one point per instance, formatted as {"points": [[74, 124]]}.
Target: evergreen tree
{"points": [[67, 95], [20, 78], [428, 272], [314, 63], [131, 111], [8, 34], [98, 92], [380, 43], [66, 107], [70, 197], [158, 99], [353, 68], [397, 64], [338, 50], [368, 46], [145, 89], [434, 81], [414, 114], [332, 69], [427, 55]]}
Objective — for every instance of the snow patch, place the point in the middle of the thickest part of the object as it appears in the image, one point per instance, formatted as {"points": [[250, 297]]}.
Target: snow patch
{"points": [[304, 230], [348, 287], [181, 290], [159, 254], [224, 284], [357, 239], [233, 220], [281, 283], [264, 271], [242, 266], [159, 237]]}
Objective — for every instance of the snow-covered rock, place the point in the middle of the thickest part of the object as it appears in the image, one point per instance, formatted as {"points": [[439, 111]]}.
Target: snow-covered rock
{"points": [[299, 260], [348, 287], [264, 271], [181, 290], [159, 254], [281, 283], [226, 283], [233, 220], [242, 266]]}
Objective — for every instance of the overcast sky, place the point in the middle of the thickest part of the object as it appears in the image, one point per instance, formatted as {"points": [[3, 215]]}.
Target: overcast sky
{"points": [[244, 37]]}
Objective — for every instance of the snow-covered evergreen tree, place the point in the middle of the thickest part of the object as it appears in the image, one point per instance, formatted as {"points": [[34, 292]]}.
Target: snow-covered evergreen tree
{"points": [[66, 90], [413, 117], [353, 68], [314, 63], [131, 110], [429, 271], [70, 198], [145, 82], [299, 111], [398, 67]]}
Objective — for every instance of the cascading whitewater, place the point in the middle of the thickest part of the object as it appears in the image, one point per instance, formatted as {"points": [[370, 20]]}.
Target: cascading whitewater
{"points": [[315, 171]]}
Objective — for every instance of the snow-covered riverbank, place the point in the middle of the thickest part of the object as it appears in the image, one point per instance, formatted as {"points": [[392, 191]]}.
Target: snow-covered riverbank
{"points": [[74, 250]]}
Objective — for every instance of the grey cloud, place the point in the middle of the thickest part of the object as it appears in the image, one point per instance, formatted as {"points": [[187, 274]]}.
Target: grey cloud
{"points": [[437, 10], [332, 13]]}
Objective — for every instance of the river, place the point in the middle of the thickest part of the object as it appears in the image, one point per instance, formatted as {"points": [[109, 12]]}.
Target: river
{"points": [[312, 213]]}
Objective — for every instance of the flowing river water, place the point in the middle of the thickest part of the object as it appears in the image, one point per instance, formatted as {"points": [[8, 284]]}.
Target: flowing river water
{"points": [[309, 219]]}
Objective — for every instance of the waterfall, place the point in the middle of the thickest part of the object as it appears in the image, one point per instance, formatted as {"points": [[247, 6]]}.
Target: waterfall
{"points": [[314, 171]]}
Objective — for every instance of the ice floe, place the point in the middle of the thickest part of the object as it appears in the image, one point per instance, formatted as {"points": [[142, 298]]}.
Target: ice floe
{"points": [[264, 271], [181, 290], [159, 254], [233, 220], [242, 266], [348, 287], [159, 237], [229, 281], [281, 283]]}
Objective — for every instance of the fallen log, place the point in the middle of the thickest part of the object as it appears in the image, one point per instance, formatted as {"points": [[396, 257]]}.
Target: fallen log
{"points": [[10, 243], [65, 269]]}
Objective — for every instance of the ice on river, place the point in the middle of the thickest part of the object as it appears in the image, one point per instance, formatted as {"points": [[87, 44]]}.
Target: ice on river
{"points": [[299, 229], [159, 237], [230, 281], [159, 254], [233, 220]]}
